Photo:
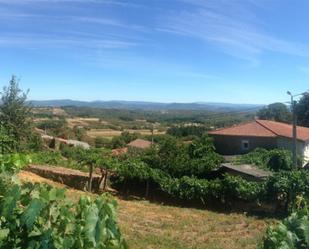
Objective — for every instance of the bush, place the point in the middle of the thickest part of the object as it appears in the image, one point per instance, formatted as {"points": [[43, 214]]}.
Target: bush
{"points": [[279, 160], [292, 232], [285, 186], [275, 160], [12, 163], [101, 142], [227, 190], [178, 159], [49, 157], [258, 157]]}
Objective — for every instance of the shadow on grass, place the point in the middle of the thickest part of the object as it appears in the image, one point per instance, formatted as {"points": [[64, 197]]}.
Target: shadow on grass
{"points": [[260, 211]]}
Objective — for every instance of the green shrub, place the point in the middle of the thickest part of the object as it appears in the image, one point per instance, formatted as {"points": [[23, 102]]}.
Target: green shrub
{"points": [[53, 158], [292, 232], [275, 160], [279, 160], [12, 163], [285, 186]]}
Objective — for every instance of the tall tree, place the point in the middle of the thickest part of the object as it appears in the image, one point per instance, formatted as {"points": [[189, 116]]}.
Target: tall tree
{"points": [[302, 110], [15, 113], [277, 111]]}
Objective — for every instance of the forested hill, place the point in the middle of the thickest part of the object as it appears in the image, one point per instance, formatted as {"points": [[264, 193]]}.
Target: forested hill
{"points": [[147, 105]]}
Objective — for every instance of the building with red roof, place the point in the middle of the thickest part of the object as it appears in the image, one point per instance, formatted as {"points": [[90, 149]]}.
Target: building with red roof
{"points": [[240, 139]]}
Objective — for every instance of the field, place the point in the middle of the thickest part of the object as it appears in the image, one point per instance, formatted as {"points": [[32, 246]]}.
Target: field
{"points": [[83, 121], [148, 225], [109, 133]]}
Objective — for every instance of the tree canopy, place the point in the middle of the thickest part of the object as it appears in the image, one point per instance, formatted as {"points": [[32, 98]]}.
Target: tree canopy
{"points": [[277, 111], [15, 113], [302, 110]]}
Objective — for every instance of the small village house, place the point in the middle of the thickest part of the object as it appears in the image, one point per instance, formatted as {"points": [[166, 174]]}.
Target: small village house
{"points": [[137, 145], [243, 138]]}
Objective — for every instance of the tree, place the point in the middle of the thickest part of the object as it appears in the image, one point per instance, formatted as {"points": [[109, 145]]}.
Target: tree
{"points": [[302, 110], [15, 113], [277, 111], [100, 142]]}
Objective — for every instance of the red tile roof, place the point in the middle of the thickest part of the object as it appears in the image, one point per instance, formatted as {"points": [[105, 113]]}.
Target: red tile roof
{"points": [[263, 128]]}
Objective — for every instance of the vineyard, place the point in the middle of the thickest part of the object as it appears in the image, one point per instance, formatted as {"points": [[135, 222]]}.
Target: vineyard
{"points": [[40, 216], [149, 225]]}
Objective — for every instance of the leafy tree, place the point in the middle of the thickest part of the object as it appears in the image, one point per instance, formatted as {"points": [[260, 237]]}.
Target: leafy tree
{"points": [[35, 143], [6, 141], [179, 159], [57, 128], [101, 142], [186, 131], [122, 140], [302, 110], [276, 111], [15, 113], [203, 157]]}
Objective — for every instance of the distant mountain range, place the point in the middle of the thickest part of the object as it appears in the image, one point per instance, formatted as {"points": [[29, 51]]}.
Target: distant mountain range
{"points": [[141, 105]]}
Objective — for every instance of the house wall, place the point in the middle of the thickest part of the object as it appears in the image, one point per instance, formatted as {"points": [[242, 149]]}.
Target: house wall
{"points": [[306, 153], [287, 143], [302, 147], [232, 145]]}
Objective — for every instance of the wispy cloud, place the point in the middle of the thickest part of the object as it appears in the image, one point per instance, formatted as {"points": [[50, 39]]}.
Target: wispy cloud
{"points": [[26, 27], [110, 22], [232, 27], [46, 41], [109, 2]]}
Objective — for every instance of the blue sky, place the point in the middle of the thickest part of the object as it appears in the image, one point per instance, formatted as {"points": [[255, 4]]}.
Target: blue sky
{"points": [[237, 51]]}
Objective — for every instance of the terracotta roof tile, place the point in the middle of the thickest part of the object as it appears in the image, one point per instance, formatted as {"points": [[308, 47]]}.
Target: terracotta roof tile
{"points": [[253, 129], [285, 130], [264, 128]]}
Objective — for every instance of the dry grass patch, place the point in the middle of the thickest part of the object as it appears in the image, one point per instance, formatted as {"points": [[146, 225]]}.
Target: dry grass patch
{"points": [[106, 133], [84, 121], [109, 133], [147, 225]]}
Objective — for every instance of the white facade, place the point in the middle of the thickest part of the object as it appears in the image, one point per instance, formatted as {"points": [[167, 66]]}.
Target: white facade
{"points": [[306, 152]]}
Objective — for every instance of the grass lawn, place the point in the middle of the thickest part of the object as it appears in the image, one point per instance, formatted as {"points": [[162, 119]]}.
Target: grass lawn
{"points": [[148, 225]]}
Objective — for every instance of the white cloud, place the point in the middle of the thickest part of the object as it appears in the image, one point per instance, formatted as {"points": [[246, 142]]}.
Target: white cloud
{"points": [[231, 26], [45, 41], [109, 2]]}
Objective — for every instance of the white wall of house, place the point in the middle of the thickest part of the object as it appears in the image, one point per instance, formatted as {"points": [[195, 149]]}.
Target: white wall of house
{"points": [[306, 152]]}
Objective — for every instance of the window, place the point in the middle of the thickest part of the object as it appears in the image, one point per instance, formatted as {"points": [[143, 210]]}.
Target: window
{"points": [[245, 144]]}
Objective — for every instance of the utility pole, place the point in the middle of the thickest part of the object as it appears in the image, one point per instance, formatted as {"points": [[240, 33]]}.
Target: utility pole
{"points": [[293, 109], [294, 133]]}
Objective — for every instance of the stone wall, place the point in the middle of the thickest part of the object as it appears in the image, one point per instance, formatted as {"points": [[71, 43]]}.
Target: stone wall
{"points": [[72, 178]]}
